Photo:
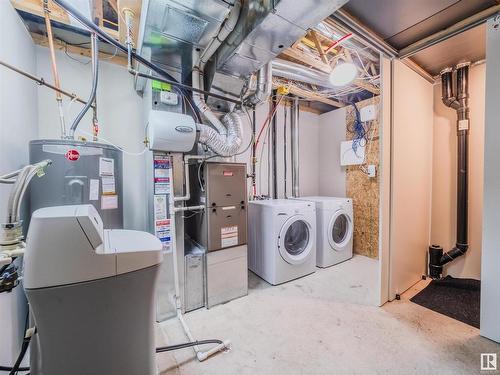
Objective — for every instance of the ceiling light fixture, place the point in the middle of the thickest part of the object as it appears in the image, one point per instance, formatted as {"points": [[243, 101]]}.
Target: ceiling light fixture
{"points": [[343, 74]]}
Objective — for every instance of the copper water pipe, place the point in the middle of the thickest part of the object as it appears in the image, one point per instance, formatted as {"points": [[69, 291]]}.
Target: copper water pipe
{"points": [[55, 74]]}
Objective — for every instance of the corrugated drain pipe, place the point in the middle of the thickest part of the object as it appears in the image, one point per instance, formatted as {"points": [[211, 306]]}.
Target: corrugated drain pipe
{"points": [[461, 104]]}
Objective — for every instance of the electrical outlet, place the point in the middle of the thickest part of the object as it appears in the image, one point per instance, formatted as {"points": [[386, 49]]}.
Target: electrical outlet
{"points": [[371, 170]]}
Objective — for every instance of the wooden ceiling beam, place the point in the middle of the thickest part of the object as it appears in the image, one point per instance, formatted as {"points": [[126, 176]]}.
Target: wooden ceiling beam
{"points": [[318, 45], [308, 60], [60, 45], [57, 14], [310, 95]]}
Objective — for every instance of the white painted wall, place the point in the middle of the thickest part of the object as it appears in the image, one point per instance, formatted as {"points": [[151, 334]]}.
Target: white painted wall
{"points": [[490, 275], [120, 112], [308, 152], [411, 178], [18, 125], [385, 180], [444, 174], [332, 131]]}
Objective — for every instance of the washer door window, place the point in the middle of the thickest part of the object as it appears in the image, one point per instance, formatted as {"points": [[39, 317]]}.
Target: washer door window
{"points": [[295, 240], [340, 230]]}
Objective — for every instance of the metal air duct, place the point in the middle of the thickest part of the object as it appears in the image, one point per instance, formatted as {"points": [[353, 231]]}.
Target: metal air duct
{"points": [[266, 28]]}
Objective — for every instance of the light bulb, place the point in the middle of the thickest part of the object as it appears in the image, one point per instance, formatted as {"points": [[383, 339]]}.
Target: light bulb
{"points": [[343, 74]]}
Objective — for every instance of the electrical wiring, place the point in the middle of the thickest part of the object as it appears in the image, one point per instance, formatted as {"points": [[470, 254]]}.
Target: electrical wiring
{"points": [[358, 130], [265, 137], [268, 119]]}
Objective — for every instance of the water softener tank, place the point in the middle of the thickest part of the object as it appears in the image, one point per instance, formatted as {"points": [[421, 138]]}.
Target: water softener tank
{"points": [[81, 173]]}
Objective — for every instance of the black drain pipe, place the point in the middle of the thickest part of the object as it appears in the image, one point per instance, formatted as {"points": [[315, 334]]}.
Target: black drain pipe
{"points": [[437, 259]]}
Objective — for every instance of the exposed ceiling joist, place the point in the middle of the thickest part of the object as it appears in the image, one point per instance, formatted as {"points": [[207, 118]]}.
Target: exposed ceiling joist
{"points": [[310, 95], [56, 13], [318, 45], [308, 60], [42, 40]]}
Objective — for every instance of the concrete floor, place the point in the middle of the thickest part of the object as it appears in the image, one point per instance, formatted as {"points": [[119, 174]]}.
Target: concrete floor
{"points": [[327, 323]]}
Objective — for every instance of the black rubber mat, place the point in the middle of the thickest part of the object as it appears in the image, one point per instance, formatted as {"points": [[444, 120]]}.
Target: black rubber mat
{"points": [[457, 298]]}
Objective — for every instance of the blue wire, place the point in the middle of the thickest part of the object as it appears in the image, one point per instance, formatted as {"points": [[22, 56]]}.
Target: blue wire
{"points": [[359, 132]]}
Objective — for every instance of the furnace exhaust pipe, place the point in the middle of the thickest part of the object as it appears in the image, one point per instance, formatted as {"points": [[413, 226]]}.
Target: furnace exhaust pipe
{"points": [[437, 259]]}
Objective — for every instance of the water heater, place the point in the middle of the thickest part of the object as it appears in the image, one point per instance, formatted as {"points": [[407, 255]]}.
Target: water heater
{"points": [[81, 173]]}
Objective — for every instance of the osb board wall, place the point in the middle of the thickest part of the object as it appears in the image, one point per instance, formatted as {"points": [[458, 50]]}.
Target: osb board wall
{"points": [[364, 190]]}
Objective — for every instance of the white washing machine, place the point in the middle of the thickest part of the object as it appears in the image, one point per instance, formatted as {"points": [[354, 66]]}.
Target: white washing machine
{"points": [[335, 228], [282, 239]]}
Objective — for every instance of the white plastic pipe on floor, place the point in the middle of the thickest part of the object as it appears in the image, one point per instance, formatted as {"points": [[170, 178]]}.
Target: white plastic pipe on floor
{"points": [[201, 355]]}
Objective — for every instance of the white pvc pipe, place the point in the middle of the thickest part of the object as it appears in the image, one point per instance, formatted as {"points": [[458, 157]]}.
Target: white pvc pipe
{"points": [[199, 354], [187, 196]]}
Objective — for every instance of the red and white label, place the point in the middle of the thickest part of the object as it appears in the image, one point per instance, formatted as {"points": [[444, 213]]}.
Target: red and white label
{"points": [[72, 155], [227, 173]]}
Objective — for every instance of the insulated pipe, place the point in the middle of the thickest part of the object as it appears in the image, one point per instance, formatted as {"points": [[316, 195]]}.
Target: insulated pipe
{"points": [[57, 84], [294, 139], [291, 70], [95, 78], [461, 105]]}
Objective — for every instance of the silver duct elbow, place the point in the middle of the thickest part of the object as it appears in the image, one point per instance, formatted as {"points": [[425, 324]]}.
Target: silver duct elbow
{"points": [[223, 145], [264, 86]]}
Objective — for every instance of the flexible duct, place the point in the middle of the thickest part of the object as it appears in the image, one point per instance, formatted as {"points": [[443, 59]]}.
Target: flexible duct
{"points": [[202, 59], [297, 72], [461, 104], [223, 144]]}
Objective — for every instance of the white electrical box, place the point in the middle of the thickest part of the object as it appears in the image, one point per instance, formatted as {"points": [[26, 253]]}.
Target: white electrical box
{"points": [[368, 113], [171, 132], [350, 157]]}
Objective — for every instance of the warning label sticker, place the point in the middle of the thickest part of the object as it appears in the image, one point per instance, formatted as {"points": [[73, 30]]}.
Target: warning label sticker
{"points": [[229, 236]]}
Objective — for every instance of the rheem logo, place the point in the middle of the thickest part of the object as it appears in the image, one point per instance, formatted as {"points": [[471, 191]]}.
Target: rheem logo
{"points": [[72, 155]]}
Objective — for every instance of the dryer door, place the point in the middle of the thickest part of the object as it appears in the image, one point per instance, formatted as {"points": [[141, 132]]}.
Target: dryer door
{"points": [[340, 230], [295, 240]]}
